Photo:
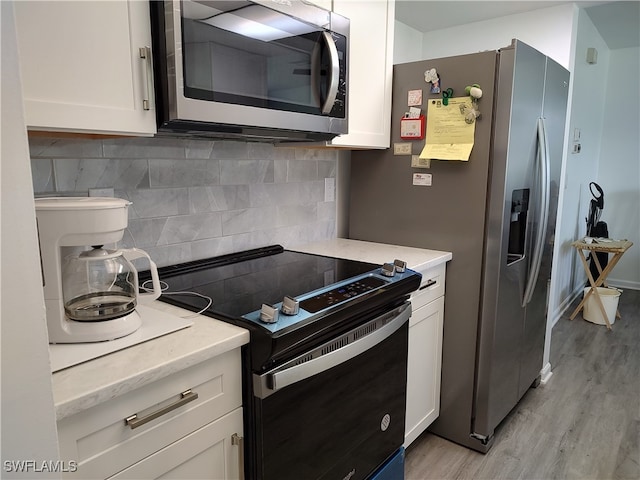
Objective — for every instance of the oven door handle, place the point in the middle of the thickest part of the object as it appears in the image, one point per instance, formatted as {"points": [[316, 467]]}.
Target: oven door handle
{"points": [[356, 343]]}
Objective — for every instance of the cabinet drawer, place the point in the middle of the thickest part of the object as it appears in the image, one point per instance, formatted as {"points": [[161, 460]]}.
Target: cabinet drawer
{"points": [[431, 287], [206, 453], [102, 443]]}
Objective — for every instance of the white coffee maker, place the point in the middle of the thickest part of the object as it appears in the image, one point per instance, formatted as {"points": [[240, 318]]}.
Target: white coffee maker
{"points": [[90, 292]]}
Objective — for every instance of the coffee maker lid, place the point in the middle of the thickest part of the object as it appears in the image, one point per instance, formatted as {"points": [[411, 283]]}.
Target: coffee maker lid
{"points": [[80, 203]]}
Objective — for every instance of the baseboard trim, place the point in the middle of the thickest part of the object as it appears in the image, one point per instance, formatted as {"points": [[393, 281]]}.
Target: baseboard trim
{"points": [[566, 303], [545, 374], [615, 282]]}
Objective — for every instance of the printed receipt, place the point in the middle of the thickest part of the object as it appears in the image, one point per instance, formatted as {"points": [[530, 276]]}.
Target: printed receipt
{"points": [[449, 137]]}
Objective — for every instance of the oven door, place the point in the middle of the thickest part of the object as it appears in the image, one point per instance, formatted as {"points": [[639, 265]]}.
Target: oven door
{"points": [[337, 411]]}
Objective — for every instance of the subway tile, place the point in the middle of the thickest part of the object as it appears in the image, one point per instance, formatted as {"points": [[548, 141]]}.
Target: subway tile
{"points": [[256, 239], [218, 198], [315, 154], [248, 220], [165, 255], [261, 151], [183, 173], [280, 170], [198, 149], [43, 147], [164, 202], [326, 168], [327, 211], [142, 147], [42, 175], [82, 174], [212, 247], [289, 215], [224, 149], [188, 228], [144, 232], [262, 194], [302, 170], [303, 193], [242, 172]]}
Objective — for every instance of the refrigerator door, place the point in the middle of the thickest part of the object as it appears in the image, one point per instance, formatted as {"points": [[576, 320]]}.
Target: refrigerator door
{"points": [[513, 215], [554, 115]]}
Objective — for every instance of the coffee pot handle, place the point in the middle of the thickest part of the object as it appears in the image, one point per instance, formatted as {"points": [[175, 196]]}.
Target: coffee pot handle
{"points": [[131, 254]]}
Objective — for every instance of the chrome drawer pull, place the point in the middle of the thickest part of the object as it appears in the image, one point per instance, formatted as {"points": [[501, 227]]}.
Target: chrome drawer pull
{"points": [[239, 441], [145, 54], [185, 397], [429, 283]]}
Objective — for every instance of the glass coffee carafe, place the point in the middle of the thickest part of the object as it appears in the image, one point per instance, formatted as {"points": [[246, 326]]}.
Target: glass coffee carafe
{"points": [[101, 284]]}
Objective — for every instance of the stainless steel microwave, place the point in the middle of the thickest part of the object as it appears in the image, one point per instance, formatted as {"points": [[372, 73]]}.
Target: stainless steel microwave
{"points": [[273, 70]]}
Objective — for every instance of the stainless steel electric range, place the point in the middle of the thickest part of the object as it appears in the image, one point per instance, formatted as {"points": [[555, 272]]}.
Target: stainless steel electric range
{"points": [[324, 374]]}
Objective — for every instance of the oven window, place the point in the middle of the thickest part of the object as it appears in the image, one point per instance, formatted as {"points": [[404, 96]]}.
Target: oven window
{"points": [[254, 56]]}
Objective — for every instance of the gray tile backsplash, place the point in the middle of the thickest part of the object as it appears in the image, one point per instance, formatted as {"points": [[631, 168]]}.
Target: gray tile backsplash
{"points": [[194, 199]]}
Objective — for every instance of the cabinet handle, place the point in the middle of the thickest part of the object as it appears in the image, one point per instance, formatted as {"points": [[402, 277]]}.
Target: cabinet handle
{"points": [[145, 54], [429, 283], [185, 397], [239, 441]]}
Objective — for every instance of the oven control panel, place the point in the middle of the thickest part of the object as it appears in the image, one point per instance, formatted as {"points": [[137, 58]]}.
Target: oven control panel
{"points": [[340, 294], [280, 316]]}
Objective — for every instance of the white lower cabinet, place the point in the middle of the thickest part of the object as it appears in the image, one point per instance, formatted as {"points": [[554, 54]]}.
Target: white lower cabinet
{"points": [[206, 453], [425, 354], [186, 425]]}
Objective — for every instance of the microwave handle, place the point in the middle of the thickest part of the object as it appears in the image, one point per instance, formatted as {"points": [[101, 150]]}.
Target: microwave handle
{"points": [[334, 73]]}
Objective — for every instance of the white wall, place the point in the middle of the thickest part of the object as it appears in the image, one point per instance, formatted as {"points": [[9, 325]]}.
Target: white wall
{"points": [[28, 417], [407, 44], [619, 161], [548, 30], [589, 86]]}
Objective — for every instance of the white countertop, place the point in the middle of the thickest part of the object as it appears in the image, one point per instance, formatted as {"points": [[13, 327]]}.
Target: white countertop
{"points": [[80, 387], [418, 259]]}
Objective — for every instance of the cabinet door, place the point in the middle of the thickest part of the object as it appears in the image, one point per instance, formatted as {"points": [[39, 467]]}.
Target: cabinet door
{"points": [[326, 4], [206, 453], [423, 370], [103, 443], [81, 66], [370, 72]]}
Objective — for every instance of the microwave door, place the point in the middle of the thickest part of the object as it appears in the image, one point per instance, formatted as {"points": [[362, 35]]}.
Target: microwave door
{"points": [[256, 57]]}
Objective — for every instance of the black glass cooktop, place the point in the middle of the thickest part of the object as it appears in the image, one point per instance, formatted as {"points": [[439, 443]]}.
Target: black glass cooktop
{"points": [[334, 295], [240, 284]]}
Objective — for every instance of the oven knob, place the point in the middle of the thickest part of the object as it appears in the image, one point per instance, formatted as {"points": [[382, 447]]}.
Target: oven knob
{"points": [[400, 265], [388, 270], [290, 306], [268, 313]]}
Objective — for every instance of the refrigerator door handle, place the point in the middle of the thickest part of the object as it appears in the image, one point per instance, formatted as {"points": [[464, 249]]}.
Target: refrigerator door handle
{"points": [[543, 212]]}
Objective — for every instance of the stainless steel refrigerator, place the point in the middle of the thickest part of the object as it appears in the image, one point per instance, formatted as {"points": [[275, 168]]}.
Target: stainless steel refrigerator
{"points": [[496, 212]]}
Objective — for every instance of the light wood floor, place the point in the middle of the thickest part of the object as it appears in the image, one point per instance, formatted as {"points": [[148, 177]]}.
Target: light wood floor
{"points": [[583, 424]]}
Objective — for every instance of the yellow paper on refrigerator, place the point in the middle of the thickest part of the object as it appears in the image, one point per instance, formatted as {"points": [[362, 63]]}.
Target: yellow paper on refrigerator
{"points": [[449, 136]]}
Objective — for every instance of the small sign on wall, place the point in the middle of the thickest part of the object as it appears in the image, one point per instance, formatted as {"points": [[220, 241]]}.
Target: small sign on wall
{"points": [[422, 179]]}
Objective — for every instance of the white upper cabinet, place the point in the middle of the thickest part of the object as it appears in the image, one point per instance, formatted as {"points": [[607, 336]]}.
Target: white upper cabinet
{"points": [[82, 69], [326, 4], [370, 72]]}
